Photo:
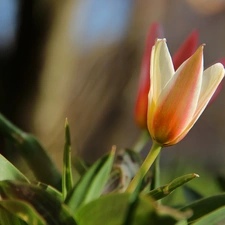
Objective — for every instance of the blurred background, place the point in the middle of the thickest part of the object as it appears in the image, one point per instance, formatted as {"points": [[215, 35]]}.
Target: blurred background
{"points": [[81, 60]]}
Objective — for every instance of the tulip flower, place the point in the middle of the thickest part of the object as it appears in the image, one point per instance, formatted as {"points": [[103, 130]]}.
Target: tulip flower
{"points": [[185, 51], [177, 99]]}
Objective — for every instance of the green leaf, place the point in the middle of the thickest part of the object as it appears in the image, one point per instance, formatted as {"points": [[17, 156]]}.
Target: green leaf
{"points": [[67, 180], [10, 172], [216, 217], [49, 207], [7, 218], [32, 151], [91, 184], [51, 190], [167, 189], [23, 211], [204, 206], [112, 210]]}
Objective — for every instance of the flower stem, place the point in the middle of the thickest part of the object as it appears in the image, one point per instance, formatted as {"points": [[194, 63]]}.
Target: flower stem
{"points": [[155, 150], [156, 173], [141, 141]]}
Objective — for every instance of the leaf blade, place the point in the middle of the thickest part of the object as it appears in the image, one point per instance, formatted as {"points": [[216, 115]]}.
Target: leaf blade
{"points": [[204, 206], [23, 211], [9, 172], [51, 209], [167, 189], [67, 180], [216, 217], [92, 183]]}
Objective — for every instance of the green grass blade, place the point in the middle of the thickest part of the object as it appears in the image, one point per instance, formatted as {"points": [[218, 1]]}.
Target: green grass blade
{"points": [[92, 183], [7, 218], [67, 180], [216, 217], [167, 189], [23, 211], [51, 190], [112, 209], [204, 206], [10, 172], [48, 206]]}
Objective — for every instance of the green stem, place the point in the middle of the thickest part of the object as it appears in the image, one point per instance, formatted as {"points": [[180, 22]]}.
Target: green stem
{"points": [[141, 141], [155, 150], [156, 173]]}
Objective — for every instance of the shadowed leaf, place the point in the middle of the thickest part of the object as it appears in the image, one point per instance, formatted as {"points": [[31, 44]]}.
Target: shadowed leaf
{"points": [[49, 207]]}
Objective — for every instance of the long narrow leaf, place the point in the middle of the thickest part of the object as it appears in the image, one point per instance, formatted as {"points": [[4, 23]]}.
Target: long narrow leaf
{"points": [[216, 217], [112, 209], [92, 183], [49, 207], [10, 172], [67, 180], [23, 211], [32, 151], [51, 190], [167, 189], [7, 218], [204, 206]]}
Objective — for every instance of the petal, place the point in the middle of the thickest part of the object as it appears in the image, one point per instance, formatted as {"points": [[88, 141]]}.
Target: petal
{"points": [[178, 101], [211, 80], [161, 69], [187, 49], [219, 88]]}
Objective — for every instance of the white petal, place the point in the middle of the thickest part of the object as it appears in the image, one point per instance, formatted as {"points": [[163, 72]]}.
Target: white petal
{"points": [[211, 79], [161, 68]]}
